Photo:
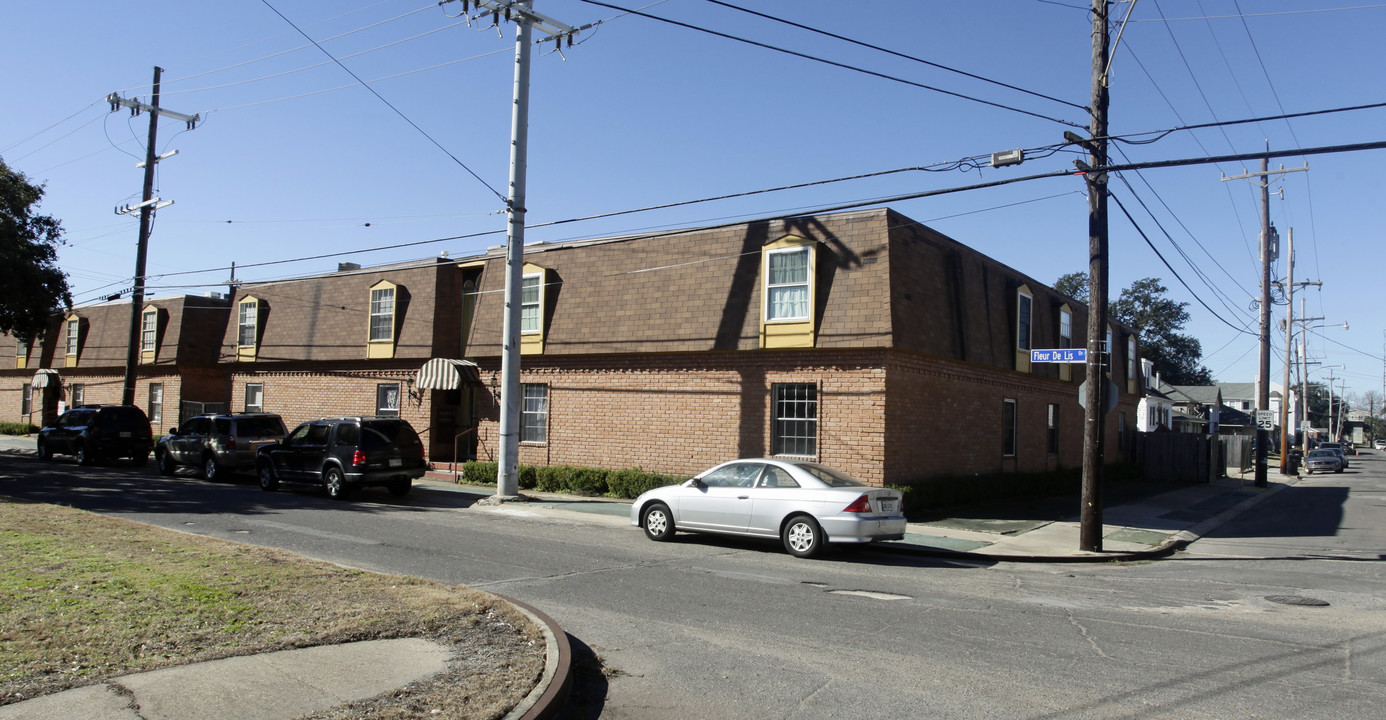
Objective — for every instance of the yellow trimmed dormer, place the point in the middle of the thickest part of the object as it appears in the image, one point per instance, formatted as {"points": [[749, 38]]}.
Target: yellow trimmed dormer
{"points": [[380, 338], [1024, 327], [247, 328], [534, 282], [787, 273]]}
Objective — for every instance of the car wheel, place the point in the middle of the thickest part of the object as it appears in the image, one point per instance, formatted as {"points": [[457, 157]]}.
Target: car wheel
{"points": [[211, 469], [399, 488], [1340, 469], [334, 483], [268, 482], [1308, 471], [165, 463], [658, 522], [43, 452], [802, 536], [84, 456], [140, 460]]}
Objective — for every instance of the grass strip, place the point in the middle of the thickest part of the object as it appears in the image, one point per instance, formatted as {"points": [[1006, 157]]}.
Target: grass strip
{"points": [[84, 598]]}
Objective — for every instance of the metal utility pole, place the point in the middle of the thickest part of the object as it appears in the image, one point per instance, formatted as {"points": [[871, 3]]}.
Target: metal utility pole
{"points": [[147, 206], [1289, 345], [1263, 376], [1094, 410], [507, 473]]}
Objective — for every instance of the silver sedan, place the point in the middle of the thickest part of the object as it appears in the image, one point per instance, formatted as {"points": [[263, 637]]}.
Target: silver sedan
{"points": [[804, 504]]}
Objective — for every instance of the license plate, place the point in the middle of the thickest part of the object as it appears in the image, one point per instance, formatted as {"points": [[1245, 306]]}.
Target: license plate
{"points": [[125, 434], [888, 505], [396, 462]]}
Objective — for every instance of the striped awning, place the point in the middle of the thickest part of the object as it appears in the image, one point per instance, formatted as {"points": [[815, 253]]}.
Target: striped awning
{"points": [[46, 378], [446, 374]]}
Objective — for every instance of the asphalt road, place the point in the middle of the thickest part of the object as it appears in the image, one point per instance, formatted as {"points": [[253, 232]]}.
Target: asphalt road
{"points": [[710, 628]]}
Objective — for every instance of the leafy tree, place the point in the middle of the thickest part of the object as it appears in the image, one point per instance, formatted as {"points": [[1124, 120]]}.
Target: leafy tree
{"points": [[31, 285], [1074, 285], [1145, 307]]}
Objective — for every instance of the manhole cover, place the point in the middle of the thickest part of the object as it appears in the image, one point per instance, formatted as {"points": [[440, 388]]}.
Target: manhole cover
{"points": [[1297, 600]]}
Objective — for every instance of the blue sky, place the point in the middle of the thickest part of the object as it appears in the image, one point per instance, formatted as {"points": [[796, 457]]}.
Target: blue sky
{"points": [[293, 159]]}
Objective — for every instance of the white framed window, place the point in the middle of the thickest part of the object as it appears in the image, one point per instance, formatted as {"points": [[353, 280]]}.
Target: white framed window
{"points": [[1130, 357], [156, 402], [149, 330], [26, 400], [1008, 427], [74, 334], [531, 303], [254, 397], [1065, 329], [1023, 316], [387, 399], [787, 284], [77, 395], [534, 413], [795, 419], [247, 322], [382, 313]]}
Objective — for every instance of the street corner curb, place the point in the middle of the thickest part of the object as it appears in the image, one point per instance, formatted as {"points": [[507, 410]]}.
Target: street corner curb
{"points": [[550, 694], [908, 549], [1189, 536]]}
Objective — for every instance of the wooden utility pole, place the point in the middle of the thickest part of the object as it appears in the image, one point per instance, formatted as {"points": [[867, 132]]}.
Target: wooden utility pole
{"points": [[147, 206], [1094, 402]]}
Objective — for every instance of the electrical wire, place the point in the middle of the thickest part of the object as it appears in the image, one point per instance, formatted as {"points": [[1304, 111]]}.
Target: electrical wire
{"points": [[878, 48], [389, 105], [1146, 238], [834, 63]]}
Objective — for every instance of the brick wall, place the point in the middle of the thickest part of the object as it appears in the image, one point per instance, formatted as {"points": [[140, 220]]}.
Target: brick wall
{"points": [[301, 395]]}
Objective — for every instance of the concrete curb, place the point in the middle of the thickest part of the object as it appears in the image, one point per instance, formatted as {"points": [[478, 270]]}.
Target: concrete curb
{"points": [[550, 694]]}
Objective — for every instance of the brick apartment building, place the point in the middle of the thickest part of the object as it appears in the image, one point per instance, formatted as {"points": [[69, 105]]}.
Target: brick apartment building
{"points": [[863, 340], [80, 360]]}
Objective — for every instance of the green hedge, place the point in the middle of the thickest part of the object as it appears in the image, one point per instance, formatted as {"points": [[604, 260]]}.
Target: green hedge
{"points": [[940, 492], [626, 484], [15, 428]]}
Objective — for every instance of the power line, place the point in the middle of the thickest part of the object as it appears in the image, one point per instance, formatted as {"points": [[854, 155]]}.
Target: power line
{"points": [[1146, 238], [388, 104], [899, 54], [834, 63]]}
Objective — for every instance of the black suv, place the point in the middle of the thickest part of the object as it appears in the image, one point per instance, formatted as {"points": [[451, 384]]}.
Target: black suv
{"points": [[341, 454], [98, 432], [218, 444]]}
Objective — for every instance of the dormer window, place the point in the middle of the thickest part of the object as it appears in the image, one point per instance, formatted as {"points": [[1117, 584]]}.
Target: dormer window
{"points": [[380, 335], [247, 328], [787, 302], [149, 334]]}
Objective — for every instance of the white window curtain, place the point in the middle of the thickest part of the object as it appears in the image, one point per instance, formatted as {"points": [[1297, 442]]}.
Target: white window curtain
{"points": [[788, 285]]}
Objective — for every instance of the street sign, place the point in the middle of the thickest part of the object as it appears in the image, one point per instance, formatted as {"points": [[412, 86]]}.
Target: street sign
{"points": [[1109, 398], [1265, 419], [1306, 426], [1061, 355]]}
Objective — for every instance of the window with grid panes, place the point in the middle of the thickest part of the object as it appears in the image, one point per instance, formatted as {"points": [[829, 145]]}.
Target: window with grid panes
{"points": [[246, 317], [534, 413], [382, 314], [529, 303], [795, 423], [1008, 428], [149, 329]]}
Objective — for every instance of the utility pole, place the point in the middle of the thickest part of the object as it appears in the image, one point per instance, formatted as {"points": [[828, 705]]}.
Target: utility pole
{"points": [[1094, 409], [147, 206], [1289, 345], [522, 14], [1263, 376]]}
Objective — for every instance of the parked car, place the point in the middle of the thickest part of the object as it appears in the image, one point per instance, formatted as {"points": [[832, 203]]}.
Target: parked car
{"points": [[1379, 444], [1338, 448], [804, 504], [218, 444], [94, 433], [1323, 460], [345, 453]]}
